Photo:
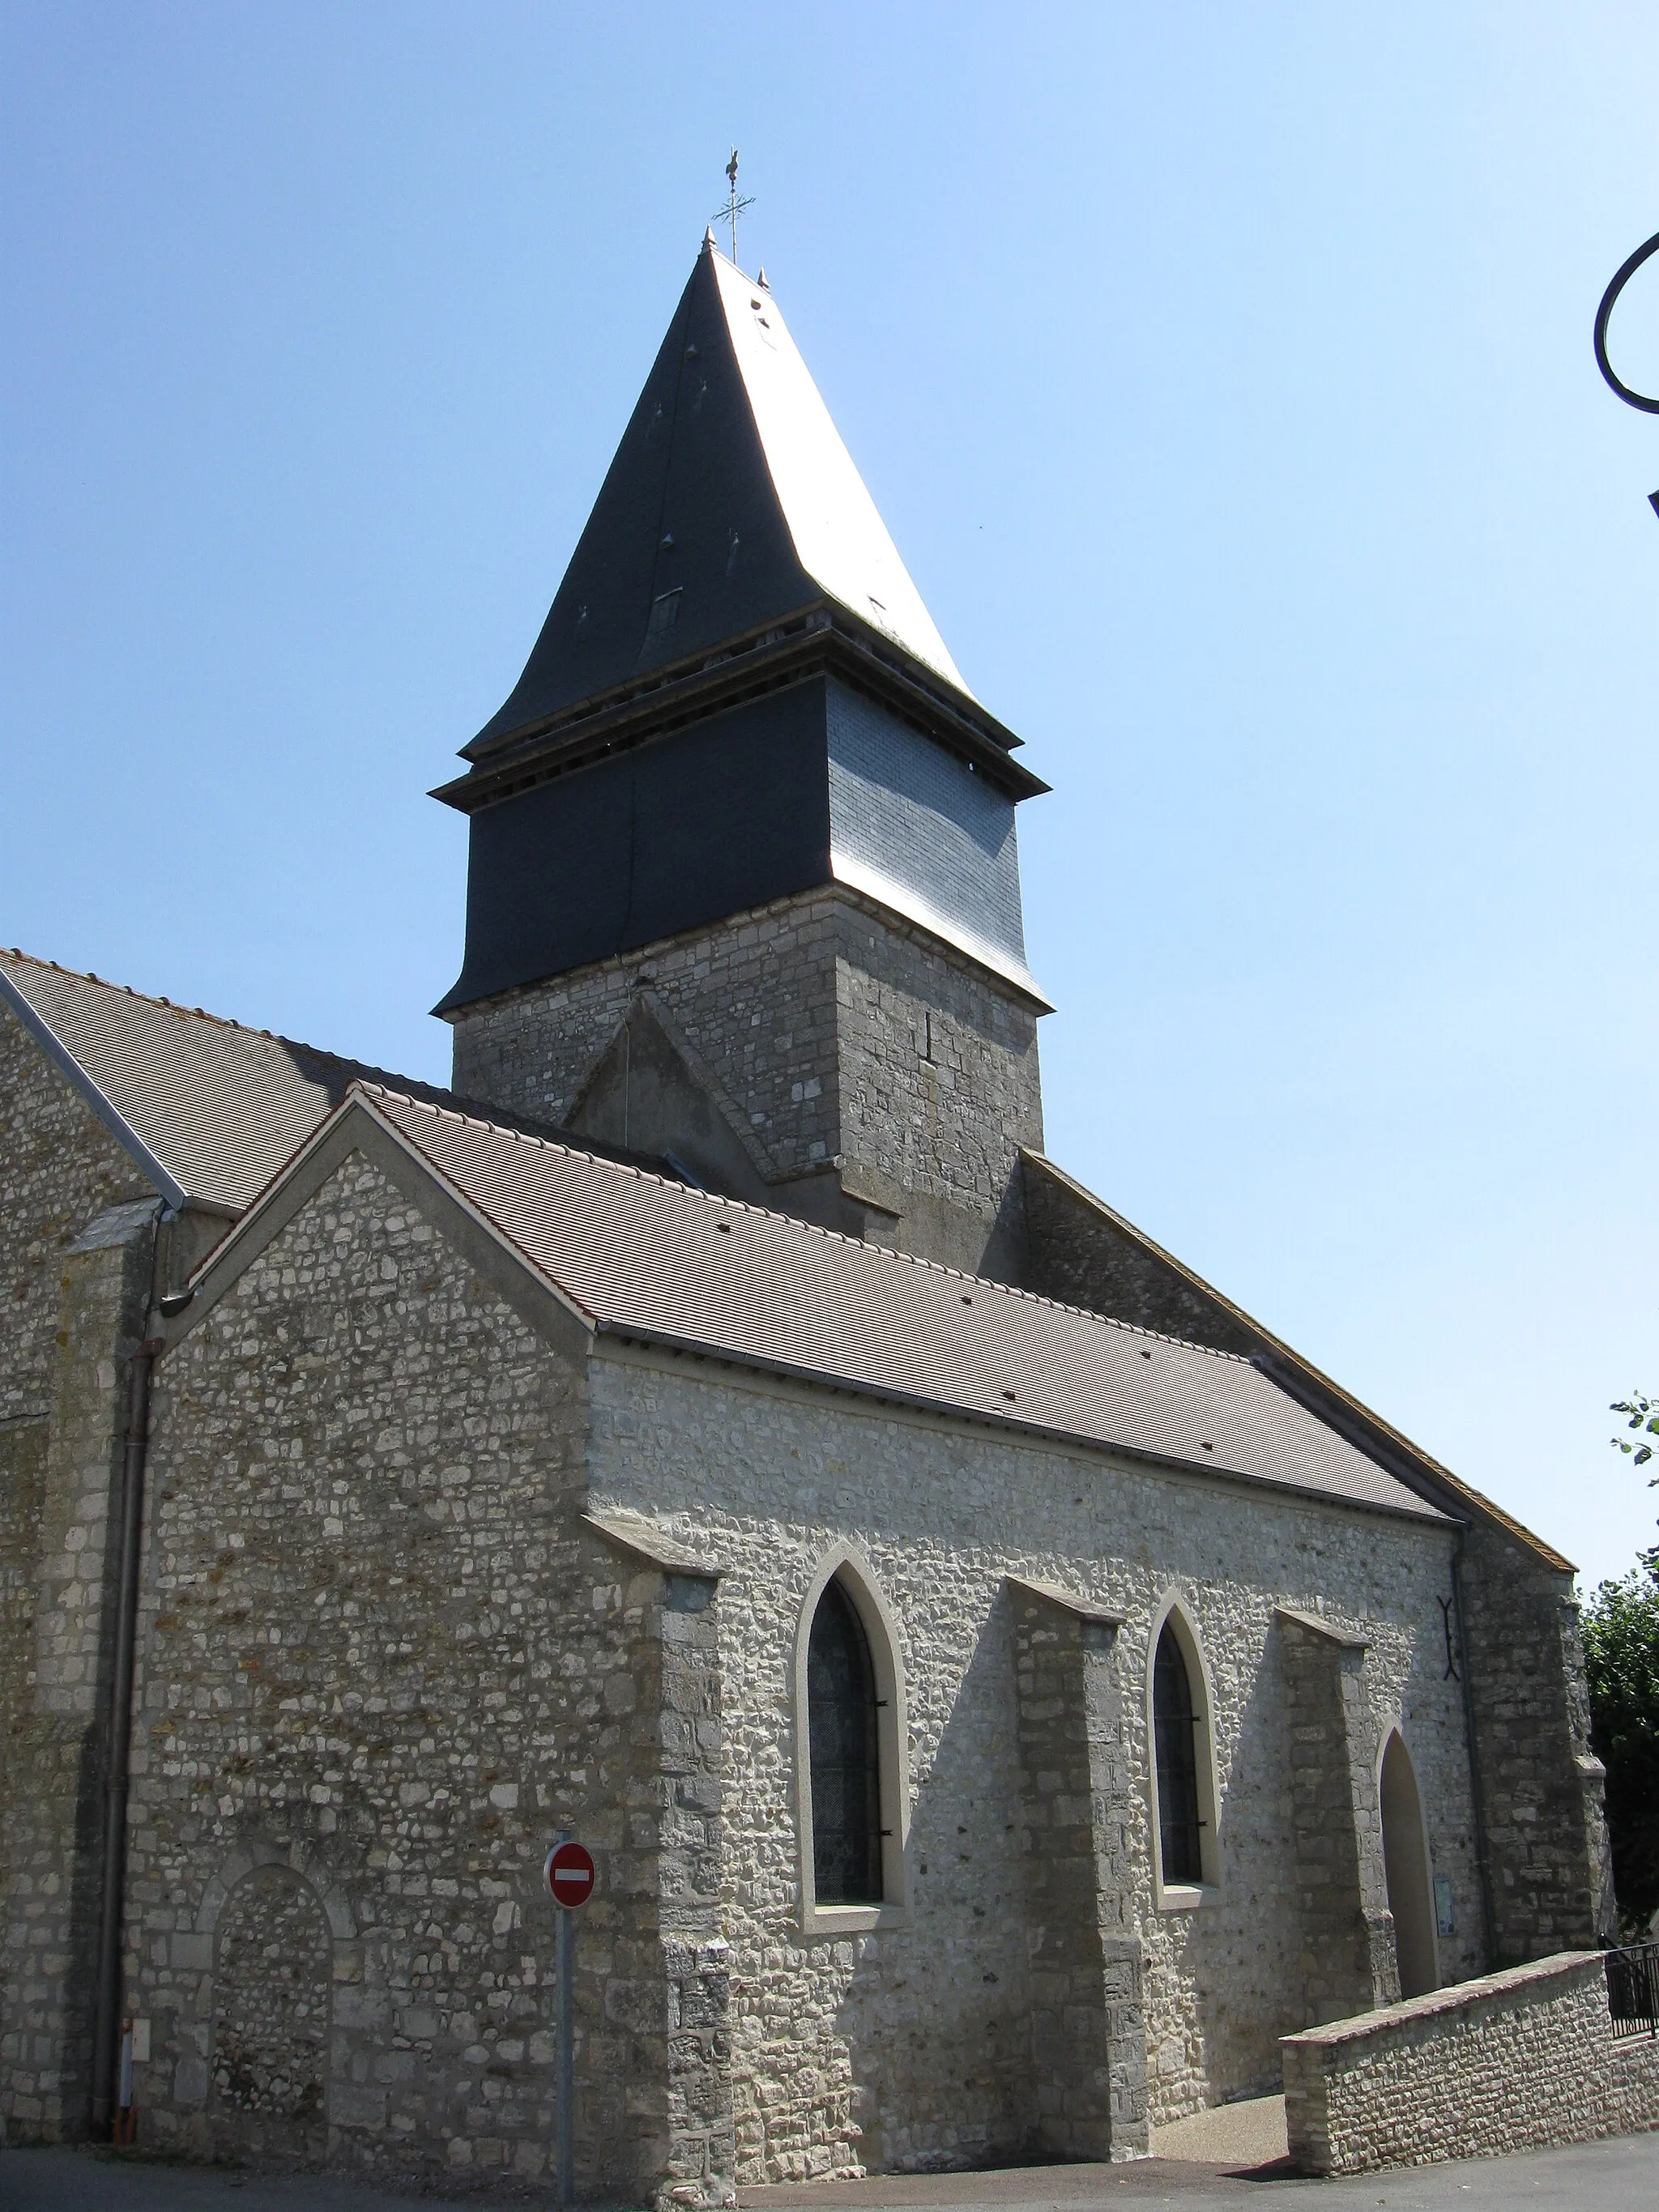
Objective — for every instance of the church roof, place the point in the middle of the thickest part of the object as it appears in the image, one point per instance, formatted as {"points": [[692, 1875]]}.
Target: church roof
{"points": [[637, 1255], [209, 1110], [731, 504]]}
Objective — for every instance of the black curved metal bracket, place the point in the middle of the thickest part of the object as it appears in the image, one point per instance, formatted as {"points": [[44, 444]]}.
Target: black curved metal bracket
{"points": [[1631, 398]]}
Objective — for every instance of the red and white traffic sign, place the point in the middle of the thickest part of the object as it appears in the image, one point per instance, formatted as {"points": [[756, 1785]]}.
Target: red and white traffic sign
{"points": [[569, 1874]]}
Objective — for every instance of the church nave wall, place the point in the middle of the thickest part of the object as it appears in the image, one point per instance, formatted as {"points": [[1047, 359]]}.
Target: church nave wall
{"points": [[917, 2032], [59, 1168], [71, 1318], [381, 1663]]}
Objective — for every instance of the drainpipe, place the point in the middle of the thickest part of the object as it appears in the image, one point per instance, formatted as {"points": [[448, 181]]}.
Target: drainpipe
{"points": [[1482, 1863], [117, 1767]]}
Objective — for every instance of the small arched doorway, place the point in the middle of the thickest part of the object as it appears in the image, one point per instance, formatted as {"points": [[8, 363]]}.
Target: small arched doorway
{"points": [[1405, 1863]]}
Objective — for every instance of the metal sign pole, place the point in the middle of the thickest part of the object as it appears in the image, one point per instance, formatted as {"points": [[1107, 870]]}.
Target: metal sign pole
{"points": [[567, 2039], [569, 1874]]}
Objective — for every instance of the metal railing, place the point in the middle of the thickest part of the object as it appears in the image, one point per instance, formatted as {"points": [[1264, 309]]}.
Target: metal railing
{"points": [[1633, 1989]]}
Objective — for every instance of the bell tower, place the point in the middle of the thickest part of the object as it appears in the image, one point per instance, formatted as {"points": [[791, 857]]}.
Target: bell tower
{"points": [[743, 883]]}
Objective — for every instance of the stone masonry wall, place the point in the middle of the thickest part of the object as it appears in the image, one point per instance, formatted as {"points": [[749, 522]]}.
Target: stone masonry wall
{"points": [[939, 1091], [1088, 2020], [1542, 1783], [1077, 1251], [68, 1321], [272, 1998], [382, 1662], [57, 1752], [909, 2046], [1541, 1786], [1348, 1958], [1512, 2062], [841, 1037], [755, 996], [59, 1168]]}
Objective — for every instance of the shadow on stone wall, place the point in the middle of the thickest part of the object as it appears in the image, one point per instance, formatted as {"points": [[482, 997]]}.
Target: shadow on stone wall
{"points": [[935, 2018]]}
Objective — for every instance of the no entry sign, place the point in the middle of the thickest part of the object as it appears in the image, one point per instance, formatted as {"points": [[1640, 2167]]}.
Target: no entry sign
{"points": [[569, 1873]]}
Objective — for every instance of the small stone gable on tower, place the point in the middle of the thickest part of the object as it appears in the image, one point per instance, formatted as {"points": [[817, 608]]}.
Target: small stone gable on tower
{"points": [[650, 1083]]}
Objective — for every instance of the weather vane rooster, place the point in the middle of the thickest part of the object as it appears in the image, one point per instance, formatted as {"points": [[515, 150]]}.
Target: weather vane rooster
{"points": [[734, 207]]}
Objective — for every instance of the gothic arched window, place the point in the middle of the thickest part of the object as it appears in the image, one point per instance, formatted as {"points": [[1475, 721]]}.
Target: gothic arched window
{"points": [[844, 1734], [1175, 1721]]}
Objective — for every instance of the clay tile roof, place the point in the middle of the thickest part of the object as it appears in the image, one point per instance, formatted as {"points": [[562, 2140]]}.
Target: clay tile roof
{"points": [[642, 1257], [211, 1110]]}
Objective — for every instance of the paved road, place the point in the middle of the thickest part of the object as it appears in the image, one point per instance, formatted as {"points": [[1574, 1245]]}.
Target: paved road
{"points": [[1621, 2175]]}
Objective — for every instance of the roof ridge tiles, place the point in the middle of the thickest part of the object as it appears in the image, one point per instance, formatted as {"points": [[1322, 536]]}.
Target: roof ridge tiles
{"points": [[218, 1020], [810, 1228]]}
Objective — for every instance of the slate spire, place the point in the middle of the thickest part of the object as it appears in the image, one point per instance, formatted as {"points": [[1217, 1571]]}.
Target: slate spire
{"points": [[737, 694], [731, 504]]}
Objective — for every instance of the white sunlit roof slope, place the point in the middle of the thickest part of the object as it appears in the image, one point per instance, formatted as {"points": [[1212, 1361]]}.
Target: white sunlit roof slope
{"points": [[839, 538]]}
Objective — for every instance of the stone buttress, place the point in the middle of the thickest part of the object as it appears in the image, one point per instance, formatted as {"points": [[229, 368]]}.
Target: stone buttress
{"points": [[1088, 2025]]}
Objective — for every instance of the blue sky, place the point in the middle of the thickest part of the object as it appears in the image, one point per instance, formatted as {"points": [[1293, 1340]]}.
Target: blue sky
{"points": [[1223, 376]]}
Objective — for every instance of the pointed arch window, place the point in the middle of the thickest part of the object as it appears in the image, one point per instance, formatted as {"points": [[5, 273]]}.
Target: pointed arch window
{"points": [[1187, 1861], [844, 1732], [852, 1769], [1175, 1720]]}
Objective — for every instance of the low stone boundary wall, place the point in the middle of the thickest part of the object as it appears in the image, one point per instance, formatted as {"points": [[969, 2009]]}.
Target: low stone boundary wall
{"points": [[1511, 2061]]}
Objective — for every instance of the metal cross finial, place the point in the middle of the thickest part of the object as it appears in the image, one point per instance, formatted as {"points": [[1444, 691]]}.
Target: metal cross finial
{"points": [[734, 206]]}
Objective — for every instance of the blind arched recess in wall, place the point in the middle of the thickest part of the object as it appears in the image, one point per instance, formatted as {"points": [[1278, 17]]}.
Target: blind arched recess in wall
{"points": [[841, 1724]]}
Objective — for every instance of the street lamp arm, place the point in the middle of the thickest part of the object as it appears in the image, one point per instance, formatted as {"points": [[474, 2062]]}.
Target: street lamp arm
{"points": [[1602, 314]]}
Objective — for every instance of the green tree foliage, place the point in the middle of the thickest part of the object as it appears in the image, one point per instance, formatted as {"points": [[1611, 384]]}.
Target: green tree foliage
{"points": [[1644, 1413], [1621, 1658]]}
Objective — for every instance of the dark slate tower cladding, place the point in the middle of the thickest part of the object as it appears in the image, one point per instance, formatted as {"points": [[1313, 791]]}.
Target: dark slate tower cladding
{"points": [[743, 883]]}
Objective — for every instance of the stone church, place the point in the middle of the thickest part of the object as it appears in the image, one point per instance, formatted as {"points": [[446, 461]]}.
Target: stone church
{"points": [[1004, 1687]]}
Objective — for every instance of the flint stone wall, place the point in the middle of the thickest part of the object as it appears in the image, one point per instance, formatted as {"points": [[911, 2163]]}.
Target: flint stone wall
{"points": [[1513, 2061], [910, 2045], [381, 1657], [1088, 2027], [1541, 1781], [1542, 1785], [68, 1322], [272, 1998], [840, 1038], [59, 1168], [1348, 1958]]}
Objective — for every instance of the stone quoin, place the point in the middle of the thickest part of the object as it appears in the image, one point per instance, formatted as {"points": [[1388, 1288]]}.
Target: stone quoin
{"points": [[1004, 1689]]}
